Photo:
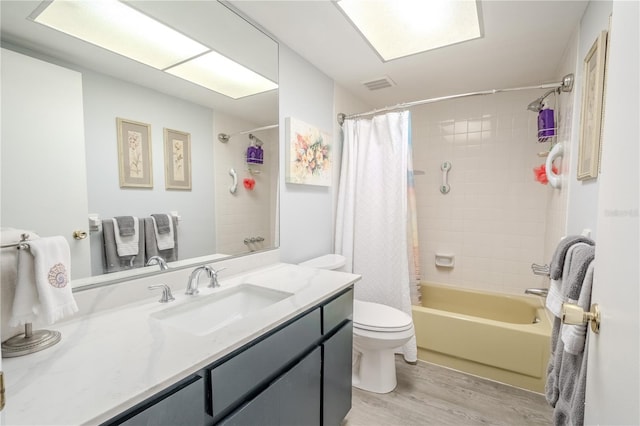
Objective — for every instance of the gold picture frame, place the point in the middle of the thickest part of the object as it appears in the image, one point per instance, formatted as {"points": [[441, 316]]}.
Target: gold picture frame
{"points": [[592, 109], [177, 159], [134, 154]]}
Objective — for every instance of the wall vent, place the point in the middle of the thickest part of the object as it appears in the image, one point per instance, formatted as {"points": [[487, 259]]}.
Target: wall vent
{"points": [[379, 83]]}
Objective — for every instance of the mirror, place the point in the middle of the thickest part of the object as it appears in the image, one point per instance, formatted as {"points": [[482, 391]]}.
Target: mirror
{"points": [[211, 222]]}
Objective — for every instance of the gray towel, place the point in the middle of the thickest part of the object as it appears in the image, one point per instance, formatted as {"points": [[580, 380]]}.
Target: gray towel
{"points": [[572, 384], [557, 261], [582, 257], [162, 221], [113, 262], [151, 245], [125, 225]]}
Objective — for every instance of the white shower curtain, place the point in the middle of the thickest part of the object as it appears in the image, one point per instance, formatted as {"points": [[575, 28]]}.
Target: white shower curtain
{"points": [[372, 211]]}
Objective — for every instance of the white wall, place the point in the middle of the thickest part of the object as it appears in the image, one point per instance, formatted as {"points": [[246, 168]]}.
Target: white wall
{"points": [[106, 98], [583, 195], [305, 211]]}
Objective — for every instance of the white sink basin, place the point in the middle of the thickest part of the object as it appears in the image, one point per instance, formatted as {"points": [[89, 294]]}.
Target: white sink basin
{"points": [[206, 314]]}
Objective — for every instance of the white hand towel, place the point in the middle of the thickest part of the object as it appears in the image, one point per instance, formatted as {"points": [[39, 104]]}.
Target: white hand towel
{"points": [[52, 261], [128, 245], [25, 307], [574, 336], [164, 241]]}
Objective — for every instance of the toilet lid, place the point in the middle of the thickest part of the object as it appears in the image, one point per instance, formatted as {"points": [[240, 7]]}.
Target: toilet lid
{"points": [[377, 317]]}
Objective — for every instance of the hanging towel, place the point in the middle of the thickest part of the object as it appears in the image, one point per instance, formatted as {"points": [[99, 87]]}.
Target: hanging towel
{"points": [[112, 261], [127, 245], [163, 222], [51, 263], [126, 225], [164, 240], [9, 257], [25, 306], [572, 384], [558, 288], [557, 261], [574, 336], [151, 244]]}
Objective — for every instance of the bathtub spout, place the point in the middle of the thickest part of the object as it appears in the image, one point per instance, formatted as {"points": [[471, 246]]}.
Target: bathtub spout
{"points": [[542, 292]]}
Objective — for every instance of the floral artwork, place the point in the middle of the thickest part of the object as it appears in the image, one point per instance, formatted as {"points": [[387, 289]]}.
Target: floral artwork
{"points": [[177, 159], [309, 154], [134, 154], [136, 166]]}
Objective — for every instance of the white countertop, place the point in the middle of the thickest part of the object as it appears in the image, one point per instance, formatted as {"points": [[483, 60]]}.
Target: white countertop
{"points": [[109, 361]]}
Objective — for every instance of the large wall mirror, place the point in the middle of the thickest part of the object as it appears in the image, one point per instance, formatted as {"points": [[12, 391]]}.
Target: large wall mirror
{"points": [[52, 187]]}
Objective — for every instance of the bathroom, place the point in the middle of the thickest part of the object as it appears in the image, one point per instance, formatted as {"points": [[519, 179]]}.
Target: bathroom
{"points": [[525, 234]]}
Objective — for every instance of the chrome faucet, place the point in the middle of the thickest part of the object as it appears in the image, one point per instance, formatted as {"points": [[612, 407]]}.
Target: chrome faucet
{"points": [[166, 292], [542, 292], [214, 277], [157, 260], [192, 284]]}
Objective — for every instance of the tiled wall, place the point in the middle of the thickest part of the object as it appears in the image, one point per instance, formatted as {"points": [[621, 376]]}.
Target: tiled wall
{"points": [[494, 217], [246, 213]]}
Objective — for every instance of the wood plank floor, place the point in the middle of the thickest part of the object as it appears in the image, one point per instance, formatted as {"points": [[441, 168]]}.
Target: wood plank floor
{"points": [[431, 395]]}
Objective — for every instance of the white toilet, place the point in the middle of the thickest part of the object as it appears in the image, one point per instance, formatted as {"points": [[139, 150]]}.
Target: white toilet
{"points": [[378, 330]]}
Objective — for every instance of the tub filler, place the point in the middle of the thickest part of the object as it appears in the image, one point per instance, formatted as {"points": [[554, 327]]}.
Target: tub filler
{"points": [[500, 337]]}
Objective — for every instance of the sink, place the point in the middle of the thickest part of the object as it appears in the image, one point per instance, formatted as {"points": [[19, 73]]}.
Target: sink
{"points": [[205, 314]]}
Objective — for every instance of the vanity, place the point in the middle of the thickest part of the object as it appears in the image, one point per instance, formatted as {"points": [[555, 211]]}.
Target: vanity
{"points": [[287, 360]]}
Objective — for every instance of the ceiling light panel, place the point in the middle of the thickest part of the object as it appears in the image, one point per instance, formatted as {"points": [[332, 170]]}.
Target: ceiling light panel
{"points": [[119, 28], [221, 74], [397, 28]]}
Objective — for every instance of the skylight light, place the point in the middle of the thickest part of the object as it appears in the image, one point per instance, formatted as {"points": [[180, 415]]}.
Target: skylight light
{"points": [[398, 28], [117, 27]]}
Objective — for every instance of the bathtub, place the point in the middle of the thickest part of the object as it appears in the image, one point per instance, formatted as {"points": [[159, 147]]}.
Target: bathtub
{"points": [[500, 337]]}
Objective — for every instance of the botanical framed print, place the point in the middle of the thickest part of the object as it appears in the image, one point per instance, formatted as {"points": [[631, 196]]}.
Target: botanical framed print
{"points": [[592, 109], [308, 154], [177, 159], [134, 154]]}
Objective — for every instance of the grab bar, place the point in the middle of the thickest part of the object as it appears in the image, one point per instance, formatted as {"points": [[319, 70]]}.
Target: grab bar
{"points": [[540, 269], [542, 292]]}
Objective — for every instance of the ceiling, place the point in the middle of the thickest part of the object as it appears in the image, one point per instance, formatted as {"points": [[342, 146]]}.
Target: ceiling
{"points": [[522, 44]]}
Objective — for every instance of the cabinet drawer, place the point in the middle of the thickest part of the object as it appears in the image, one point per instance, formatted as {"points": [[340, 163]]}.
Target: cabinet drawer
{"points": [[236, 378], [336, 375], [336, 311]]}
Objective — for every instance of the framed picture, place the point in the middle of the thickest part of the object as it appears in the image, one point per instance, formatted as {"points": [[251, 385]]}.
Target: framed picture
{"points": [[592, 109], [134, 154], [177, 159], [308, 154]]}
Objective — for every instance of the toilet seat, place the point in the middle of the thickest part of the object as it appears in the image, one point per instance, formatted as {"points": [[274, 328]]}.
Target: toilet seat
{"points": [[380, 318]]}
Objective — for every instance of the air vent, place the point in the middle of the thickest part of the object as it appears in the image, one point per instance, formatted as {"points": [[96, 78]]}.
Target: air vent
{"points": [[379, 83]]}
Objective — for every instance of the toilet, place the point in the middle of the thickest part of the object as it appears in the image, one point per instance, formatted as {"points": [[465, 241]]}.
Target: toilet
{"points": [[378, 330]]}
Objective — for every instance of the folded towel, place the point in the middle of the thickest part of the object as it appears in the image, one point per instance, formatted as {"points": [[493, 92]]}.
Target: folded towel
{"points": [[151, 244], [164, 240], [163, 222], [127, 246], [112, 261], [557, 261], [25, 307], [559, 288], [574, 336], [51, 263], [126, 225], [580, 261]]}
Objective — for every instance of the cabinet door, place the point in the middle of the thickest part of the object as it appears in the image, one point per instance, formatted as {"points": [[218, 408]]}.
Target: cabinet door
{"points": [[293, 399], [336, 377], [180, 406]]}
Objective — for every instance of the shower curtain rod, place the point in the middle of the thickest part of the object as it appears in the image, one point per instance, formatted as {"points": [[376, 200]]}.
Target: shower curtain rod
{"points": [[224, 138], [566, 85]]}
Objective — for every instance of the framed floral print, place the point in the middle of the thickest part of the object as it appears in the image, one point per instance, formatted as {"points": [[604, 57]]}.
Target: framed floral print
{"points": [[308, 154], [134, 154], [177, 159]]}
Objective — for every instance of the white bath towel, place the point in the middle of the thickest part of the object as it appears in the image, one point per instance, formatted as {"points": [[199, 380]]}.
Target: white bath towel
{"points": [[127, 245], [574, 336], [164, 240], [42, 289], [558, 287]]}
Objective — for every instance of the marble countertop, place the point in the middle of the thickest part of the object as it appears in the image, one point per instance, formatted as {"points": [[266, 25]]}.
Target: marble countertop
{"points": [[109, 361]]}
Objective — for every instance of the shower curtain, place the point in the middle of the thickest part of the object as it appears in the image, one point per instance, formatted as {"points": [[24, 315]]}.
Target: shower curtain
{"points": [[375, 229]]}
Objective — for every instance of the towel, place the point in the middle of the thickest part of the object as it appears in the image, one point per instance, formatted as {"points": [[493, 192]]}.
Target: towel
{"points": [[572, 384], [113, 262], [557, 261], [25, 306], [163, 222], [50, 260], [126, 225], [151, 244], [163, 240], [574, 336], [580, 261], [127, 245], [558, 288]]}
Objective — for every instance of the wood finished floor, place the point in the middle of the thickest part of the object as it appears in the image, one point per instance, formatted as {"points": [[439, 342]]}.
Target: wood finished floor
{"points": [[431, 395]]}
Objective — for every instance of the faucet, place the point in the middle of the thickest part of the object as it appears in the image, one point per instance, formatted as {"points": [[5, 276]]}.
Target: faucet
{"points": [[192, 284], [542, 292], [166, 292], [214, 277], [157, 260]]}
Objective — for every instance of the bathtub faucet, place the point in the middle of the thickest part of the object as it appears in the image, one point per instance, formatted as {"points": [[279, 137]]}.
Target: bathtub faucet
{"points": [[542, 292]]}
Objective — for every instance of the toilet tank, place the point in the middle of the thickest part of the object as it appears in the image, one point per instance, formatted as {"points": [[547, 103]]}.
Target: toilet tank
{"points": [[328, 261]]}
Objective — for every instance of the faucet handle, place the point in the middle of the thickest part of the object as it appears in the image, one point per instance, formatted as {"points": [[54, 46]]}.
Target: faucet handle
{"points": [[166, 292], [214, 277]]}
